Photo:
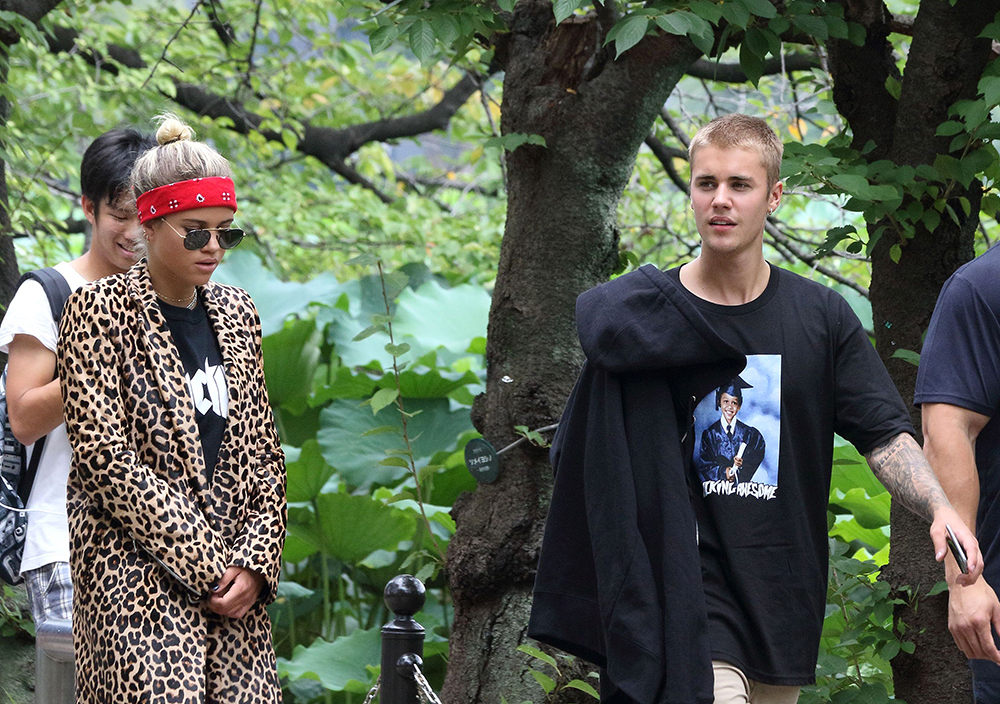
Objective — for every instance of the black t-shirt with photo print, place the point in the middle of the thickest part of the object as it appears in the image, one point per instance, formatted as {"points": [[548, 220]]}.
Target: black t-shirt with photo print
{"points": [[203, 370], [811, 372]]}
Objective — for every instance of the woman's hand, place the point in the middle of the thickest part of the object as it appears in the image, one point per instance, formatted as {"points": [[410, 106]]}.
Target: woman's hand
{"points": [[236, 592]]}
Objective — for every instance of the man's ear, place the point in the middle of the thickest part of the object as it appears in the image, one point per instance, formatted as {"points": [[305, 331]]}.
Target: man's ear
{"points": [[89, 209]]}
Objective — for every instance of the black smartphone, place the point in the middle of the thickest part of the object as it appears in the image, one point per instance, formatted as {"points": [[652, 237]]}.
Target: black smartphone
{"points": [[957, 551]]}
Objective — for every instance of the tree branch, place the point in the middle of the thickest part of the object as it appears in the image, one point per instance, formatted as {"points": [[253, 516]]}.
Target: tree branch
{"points": [[666, 156], [783, 244], [223, 29], [901, 24], [331, 146], [733, 73], [166, 48]]}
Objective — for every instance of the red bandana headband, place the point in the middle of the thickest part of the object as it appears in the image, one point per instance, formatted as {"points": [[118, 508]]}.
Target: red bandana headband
{"points": [[187, 195]]}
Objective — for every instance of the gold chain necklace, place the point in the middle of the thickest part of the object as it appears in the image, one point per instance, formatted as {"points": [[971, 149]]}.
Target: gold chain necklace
{"points": [[183, 302]]}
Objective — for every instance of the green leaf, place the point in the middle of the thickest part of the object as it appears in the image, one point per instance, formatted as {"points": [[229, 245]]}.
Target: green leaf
{"points": [[751, 63], [425, 572], [564, 8], [836, 27], [275, 299], [812, 26], [368, 332], [907, 356], [630, 32], [506, 5], [291, 357], [856, 33], [761, 8], [868, 511], [991, 31], [735, 14], [422, 40], [707, 10], [382, 398], [395, 462], [938, 588], [339, 666], [779, 25], [446, 28], [757, 41], [356, 456], [675, 23], [948, 128], [893, 86], [308, 474], [546, 682], [353, 527], [583, 687], [854, 185], [397, 350], [539, 655], [364, 259], [895, 253]]}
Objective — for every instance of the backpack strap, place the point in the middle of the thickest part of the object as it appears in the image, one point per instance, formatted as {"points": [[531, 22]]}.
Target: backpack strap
{"points": [[57, 290], [28, 480]]}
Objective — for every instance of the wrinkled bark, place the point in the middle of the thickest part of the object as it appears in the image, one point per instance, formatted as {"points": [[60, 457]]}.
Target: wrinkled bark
{"points": [[560, 240], [945, 63]]}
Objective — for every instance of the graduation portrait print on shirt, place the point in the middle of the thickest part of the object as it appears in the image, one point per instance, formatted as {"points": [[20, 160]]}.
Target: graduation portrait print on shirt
{"points": [[738, 432]]}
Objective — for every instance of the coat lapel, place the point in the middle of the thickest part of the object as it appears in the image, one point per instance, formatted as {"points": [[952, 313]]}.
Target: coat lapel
{"points": [[231, 339], [164, 363]]}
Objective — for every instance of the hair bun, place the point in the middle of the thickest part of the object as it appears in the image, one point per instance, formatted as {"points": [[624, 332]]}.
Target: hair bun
{"points": [[172, 130]]}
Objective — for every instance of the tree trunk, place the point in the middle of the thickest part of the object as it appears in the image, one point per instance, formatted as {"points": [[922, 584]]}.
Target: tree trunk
{"points": [[34, 11], [945, 62], [8, 258], [560, 240]]}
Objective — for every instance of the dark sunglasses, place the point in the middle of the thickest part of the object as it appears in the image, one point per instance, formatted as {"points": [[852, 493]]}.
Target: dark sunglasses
{"points": [[228, 237]]}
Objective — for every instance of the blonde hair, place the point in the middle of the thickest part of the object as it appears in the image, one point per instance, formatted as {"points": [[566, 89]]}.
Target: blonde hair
{"points": [[738, 130], [176, 158]]}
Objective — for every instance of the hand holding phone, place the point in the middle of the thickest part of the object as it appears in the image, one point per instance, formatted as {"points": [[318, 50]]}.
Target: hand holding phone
{"points": [[957, 551]]}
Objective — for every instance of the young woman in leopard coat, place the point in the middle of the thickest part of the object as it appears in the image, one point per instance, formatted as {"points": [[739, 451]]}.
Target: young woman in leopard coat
{"points": [[176, 495]]}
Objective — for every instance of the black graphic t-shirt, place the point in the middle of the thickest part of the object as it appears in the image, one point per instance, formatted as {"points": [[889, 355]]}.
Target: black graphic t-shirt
{"points": [[199, 349], [763, 455]]}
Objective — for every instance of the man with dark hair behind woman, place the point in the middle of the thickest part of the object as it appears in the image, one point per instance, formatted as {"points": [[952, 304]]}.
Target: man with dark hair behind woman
{"points": [[28, 335]]}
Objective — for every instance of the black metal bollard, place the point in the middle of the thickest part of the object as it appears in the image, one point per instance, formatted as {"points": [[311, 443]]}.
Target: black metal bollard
{"points": [[404, 595]]}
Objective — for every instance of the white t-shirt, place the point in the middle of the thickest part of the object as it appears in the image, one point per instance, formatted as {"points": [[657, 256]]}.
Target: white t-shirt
{"points": [[48, 533]]}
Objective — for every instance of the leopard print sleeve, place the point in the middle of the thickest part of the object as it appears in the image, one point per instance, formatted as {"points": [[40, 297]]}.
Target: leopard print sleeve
{"points": [[259, 545], [105, 470]]}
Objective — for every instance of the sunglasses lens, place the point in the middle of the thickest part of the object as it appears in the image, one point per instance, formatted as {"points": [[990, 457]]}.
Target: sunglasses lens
{"points": [[230, 238], [196, 239]]}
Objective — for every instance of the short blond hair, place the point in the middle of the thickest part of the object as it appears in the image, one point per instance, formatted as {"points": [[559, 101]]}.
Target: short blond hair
{"points": [[738, 130], [176, 158]]}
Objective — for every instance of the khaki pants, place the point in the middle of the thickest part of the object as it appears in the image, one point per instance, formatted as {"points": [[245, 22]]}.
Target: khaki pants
{"points": [[733, 687]]}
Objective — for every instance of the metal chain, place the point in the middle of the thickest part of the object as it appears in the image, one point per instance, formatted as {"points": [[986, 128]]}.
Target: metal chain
{"points": [[373, 691], [423, 687]]}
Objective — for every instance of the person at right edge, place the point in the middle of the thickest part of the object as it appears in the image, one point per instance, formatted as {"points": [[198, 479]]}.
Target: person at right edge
{"points": [[690, 591], [958, 389]]}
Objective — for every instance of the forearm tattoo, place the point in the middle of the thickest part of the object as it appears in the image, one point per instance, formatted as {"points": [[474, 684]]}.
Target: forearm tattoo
{"points": [[902, 468]]}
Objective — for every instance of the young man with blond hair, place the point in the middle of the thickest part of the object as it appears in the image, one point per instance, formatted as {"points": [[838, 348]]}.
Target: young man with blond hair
{"points": [[697, 589]]}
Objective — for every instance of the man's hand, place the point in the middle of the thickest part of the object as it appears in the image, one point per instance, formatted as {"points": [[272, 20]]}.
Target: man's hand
{"points": [[947, 516], [972, 611], [236, 592]]}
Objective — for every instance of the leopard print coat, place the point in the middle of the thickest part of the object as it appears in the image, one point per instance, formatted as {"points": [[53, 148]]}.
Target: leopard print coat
{"points": [[151, 529]]}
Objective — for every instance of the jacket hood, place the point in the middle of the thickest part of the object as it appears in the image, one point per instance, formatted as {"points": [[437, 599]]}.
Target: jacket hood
{"points": [[644, 321]]}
